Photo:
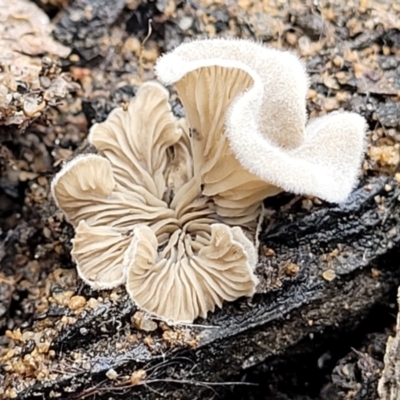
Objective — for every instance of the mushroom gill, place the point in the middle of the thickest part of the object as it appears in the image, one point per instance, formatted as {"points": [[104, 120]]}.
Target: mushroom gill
{"points": [[141, 219], [192, 274], [206, 94]]}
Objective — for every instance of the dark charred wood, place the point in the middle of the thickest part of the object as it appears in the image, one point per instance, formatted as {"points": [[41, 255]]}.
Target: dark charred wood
{"points": [[358, 241]]}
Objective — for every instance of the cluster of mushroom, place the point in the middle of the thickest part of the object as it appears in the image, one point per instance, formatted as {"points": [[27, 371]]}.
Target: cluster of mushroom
{"points": [[169, 207]]}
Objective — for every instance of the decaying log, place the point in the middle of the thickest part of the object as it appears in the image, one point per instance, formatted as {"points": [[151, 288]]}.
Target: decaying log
{"points": [[321, 270], [389, 384]]}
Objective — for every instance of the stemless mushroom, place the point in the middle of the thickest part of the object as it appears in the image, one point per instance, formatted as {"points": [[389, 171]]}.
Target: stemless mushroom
{"points": [[246, 105], [141, 219], [170, 207]]}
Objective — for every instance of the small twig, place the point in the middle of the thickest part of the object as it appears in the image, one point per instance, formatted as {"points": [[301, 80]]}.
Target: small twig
{"points": [[197, 383], [149, 32]]}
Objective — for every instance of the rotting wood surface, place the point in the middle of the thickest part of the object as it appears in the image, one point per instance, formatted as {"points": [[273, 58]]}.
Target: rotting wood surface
{"points": [[365, 230], [351, 53]]}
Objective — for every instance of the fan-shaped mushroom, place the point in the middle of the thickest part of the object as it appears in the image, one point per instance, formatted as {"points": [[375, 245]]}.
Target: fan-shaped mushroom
{"points": [[246, 108], [140, 217], [171, 210]]}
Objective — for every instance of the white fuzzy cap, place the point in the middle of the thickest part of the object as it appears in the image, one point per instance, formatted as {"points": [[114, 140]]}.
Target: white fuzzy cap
{"points": [[266, 124]]}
